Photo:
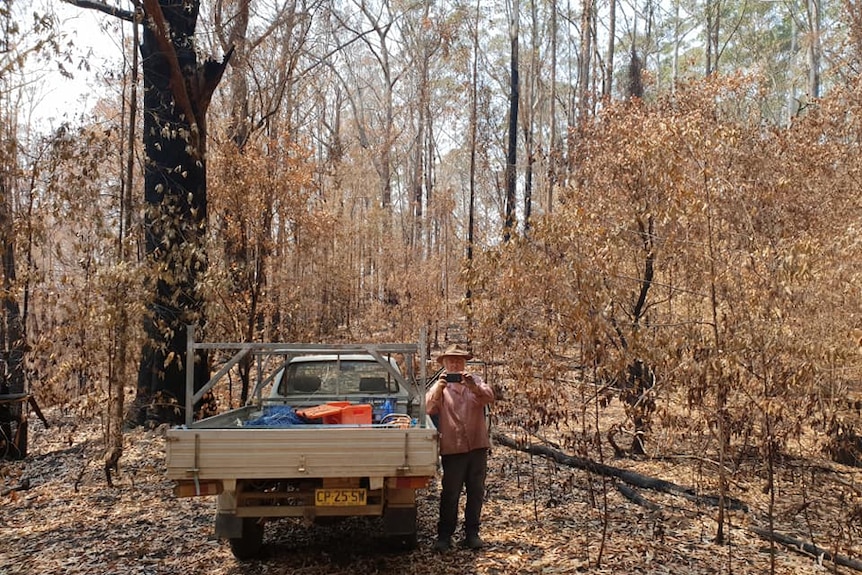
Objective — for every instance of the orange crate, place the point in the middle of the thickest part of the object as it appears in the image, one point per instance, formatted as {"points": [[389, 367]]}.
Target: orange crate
{"points": [[334, 417], [356, 414], [339, 412], [321, 412]]}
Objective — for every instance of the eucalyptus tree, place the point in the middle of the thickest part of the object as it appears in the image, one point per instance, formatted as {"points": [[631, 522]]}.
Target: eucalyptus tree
{"points": [[62, 236], [782, 43], [12, 325], [514, 103], [713, 13], [530, 115], [267, 52], [425, 36], [177, 94], [608, 81], [400, 75], [379, 19], [555, 145], [541, 122], [814, 51]]}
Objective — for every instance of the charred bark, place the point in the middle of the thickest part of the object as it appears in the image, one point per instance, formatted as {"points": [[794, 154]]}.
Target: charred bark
{"points": [[177, 92], [13, 414]]}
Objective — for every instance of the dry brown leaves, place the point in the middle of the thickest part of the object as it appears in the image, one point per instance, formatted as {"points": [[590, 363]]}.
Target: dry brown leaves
{"points": [[539, 518]]}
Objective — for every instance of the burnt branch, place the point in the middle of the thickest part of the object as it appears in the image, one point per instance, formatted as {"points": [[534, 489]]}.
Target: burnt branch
{"points": [[126, 15], [207, 80], [647, 233], [631, 477]]}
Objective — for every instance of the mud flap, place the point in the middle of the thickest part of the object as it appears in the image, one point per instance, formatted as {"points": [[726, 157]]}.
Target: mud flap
{"points": [[228, 526], [399, 520]]}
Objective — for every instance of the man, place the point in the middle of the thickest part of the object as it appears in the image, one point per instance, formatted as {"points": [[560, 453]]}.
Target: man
{"points": [[458, 399]]}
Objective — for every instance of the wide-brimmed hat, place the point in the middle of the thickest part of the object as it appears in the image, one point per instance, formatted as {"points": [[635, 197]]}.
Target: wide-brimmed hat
{"points": [[455, 350]]}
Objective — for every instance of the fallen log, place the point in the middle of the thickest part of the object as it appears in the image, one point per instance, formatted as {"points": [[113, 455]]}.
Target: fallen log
{"points": [[636, 497], [807, 548], [646, 482], [625, 475], [788, 542]]}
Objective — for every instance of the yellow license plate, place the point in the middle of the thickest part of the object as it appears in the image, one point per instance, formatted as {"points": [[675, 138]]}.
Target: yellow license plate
{"points": [[339, 497]]}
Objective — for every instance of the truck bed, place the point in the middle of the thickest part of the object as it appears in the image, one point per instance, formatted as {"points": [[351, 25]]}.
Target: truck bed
{"points": [[220, 448]]}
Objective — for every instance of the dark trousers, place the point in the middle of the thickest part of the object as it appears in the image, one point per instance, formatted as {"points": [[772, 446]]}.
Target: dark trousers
{"points": [[462, 470]]}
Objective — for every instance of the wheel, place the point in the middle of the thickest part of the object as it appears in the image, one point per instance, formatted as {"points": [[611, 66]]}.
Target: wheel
{"points": [[400, 528], [403, 542], [248, 546]]}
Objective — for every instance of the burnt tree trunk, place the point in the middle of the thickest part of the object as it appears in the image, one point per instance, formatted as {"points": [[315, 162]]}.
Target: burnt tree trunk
{"points": [[13, 383], [512, 149], [13, 414], [177, 91]]}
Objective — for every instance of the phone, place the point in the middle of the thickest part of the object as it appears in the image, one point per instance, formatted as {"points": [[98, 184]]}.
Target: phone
{"points": [[453, 377]]}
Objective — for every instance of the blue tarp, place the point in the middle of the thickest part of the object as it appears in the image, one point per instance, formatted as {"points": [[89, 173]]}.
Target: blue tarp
{"points": [[277, 416]]}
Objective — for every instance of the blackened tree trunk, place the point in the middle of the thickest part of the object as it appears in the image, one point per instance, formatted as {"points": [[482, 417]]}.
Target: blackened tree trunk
{"points": [[13, 416], [175, 221], [514, 101], [177, 92], [13, 413]]}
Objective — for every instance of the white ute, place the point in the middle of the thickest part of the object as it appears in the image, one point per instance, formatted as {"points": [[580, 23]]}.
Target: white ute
{"points": [[342, 432]]}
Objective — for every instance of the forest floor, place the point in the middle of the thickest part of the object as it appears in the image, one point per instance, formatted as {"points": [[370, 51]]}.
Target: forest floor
{"points": [[58, 516]]}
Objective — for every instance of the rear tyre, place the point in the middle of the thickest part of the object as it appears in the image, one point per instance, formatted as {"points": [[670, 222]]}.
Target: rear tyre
{"points": [[249, 545], [404, 542], [400, 528]]}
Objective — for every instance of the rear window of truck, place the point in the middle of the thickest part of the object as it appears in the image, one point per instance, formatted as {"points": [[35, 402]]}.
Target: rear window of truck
{"points": [[337, 378]]}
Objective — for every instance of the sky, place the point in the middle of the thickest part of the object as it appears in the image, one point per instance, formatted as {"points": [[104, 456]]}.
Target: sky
{"points": [[93, 40]]}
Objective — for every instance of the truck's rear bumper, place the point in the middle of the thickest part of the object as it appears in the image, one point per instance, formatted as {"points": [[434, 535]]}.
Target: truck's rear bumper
{"points": [[396, 505]]}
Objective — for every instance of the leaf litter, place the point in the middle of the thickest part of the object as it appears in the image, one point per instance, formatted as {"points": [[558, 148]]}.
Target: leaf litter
{"points": [[57, 515]]}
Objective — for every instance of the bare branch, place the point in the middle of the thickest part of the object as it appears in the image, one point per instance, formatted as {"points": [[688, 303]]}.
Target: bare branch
{"points": [[126, 15]]}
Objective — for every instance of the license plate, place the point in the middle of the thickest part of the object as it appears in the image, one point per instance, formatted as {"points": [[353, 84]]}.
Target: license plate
{"points": [[339, 497]]}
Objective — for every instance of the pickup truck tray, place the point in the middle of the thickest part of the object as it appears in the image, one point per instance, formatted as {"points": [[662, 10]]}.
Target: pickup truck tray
{"points": [[312, 451]]}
